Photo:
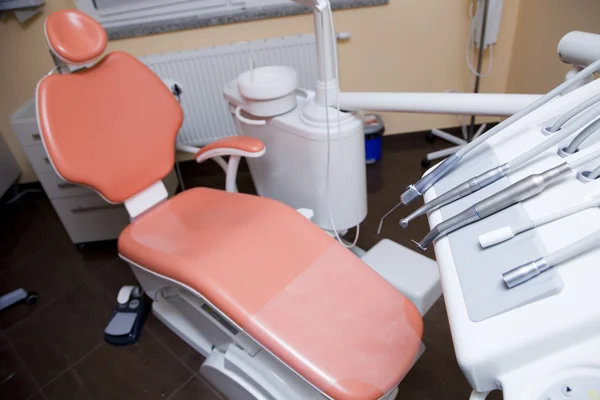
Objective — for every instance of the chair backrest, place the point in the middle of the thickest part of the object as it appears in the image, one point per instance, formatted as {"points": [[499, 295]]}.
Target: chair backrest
{"points": [[111, 127]]}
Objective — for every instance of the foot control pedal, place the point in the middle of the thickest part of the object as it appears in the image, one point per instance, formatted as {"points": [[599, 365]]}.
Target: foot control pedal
{"points": [[127, 319]]}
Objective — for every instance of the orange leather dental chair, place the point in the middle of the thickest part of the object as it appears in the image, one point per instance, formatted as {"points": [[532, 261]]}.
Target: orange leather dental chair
{"points": [[279, 309]]}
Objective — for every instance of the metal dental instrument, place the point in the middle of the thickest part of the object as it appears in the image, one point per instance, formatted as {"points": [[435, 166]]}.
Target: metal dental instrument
{"points": [[386, 215], [519, 191], [527, 271], [422, 185], [508, 232], [490, 176]]}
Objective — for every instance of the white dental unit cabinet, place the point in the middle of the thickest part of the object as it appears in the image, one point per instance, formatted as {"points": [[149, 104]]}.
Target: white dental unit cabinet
{"points": [[539, 340]]}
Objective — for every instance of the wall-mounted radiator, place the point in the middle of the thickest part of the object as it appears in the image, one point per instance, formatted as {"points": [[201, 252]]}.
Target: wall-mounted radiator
{"points": [[204, 72]]}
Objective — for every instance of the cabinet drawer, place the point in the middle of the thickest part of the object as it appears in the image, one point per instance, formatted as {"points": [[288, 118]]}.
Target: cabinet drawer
{"points": [[56, 188], [24, 124], [30, 137], [90, 218], [38, 158]]}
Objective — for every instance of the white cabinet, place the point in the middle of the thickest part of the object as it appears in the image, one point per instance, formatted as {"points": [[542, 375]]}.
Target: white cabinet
{"points": [[85, 215], [9, 170]]}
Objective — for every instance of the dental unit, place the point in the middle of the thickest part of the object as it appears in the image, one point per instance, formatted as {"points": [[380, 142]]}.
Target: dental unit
{"points": [[312, 131], [247, 280], [530, 270], [515, 193], [505, 233], [492, 175]]}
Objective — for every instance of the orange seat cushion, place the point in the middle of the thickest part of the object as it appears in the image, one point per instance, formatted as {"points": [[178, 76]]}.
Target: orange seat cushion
{"points": [[111, 127], [300, 294]]}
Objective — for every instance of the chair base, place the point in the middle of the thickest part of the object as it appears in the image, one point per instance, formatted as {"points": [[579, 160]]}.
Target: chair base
{"points": [[235, 364]]}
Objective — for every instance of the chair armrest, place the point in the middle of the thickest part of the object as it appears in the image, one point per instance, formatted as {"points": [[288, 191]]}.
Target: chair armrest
{"points": [[241, 146], [236, 147]]}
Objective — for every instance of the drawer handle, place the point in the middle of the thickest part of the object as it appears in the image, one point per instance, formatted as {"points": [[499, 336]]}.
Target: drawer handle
{"points": [[81, 210], [67, 185], [36, 137]]}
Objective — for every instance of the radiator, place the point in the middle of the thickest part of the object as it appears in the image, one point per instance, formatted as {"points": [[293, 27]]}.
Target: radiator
{"points": [[204, 72]]}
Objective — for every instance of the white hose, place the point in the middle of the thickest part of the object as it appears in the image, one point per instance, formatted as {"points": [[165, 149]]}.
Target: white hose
{"points": [[582, 136], [584, 73], [583, 157], [574, 249], [566, 117], [557, 137], [595, 173]]}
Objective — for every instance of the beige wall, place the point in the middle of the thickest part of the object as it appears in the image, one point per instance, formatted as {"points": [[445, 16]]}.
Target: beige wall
{"points": [[541, 24], [408, 45]]}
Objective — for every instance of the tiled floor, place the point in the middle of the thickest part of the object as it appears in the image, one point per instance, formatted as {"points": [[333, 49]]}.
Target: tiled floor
{"points": [[55, 349]]}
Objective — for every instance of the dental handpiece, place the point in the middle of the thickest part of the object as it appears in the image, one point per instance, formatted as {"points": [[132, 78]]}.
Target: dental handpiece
{"points": [[495, 174], [515, 193], [422, 185], [525, 272], [521, 190], [510, 231]]}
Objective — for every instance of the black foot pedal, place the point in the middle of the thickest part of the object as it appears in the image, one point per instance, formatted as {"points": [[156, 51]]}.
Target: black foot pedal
{"points": [[127, 319]]}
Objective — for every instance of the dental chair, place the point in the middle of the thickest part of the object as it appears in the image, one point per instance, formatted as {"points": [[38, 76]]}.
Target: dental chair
{"points": [[279, 309]]}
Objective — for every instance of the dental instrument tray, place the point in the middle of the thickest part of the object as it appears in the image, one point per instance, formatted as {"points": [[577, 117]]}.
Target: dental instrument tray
{"points": [[480, 270]]}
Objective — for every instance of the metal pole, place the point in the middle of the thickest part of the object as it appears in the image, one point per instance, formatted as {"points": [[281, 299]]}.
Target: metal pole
{"points": [[479, 61]]}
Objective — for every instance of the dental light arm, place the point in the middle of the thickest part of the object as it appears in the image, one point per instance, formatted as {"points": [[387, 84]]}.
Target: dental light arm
{"points": [[438, 103], [488, 104]]}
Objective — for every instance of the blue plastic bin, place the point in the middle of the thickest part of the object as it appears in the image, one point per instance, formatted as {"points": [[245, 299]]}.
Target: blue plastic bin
{"points": [[374, 130]]}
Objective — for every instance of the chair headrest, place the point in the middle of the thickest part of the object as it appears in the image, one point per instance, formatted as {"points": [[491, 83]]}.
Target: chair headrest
{"points": [[75, 37]]}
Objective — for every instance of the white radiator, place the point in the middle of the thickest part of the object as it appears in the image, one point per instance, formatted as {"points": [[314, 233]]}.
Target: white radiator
{"points": [[204, 73]]}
